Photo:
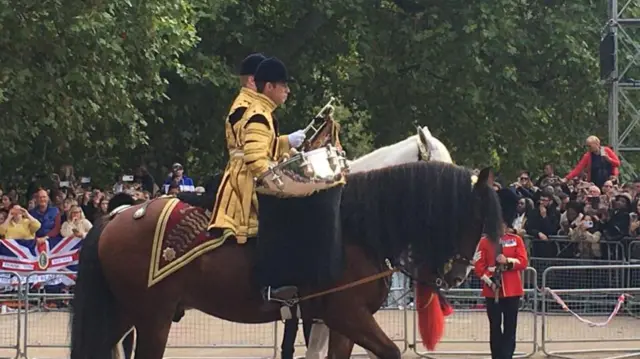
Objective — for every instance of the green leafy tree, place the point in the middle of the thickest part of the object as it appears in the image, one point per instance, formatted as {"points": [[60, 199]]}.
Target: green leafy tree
{"points": [[76, 78], [106, 87]]}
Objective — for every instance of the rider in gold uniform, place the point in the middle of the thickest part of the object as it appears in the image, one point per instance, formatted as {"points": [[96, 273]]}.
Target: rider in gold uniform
{"points": [[257, 143], [243, 100], [240, 104]]}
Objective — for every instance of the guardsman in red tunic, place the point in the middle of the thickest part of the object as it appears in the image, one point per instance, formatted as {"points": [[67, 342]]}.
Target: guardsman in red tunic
{"points": [[503, 313]]}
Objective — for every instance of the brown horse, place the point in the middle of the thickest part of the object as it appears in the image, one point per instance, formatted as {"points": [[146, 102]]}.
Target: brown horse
{"points": [[424, 217]]}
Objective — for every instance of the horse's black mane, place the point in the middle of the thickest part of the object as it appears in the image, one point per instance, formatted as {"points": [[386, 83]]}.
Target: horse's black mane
{"points": [[423, 206], [379, 210]]}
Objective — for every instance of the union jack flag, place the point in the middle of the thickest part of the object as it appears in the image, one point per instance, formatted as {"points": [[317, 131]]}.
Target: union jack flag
{"points": [[24, 256]]}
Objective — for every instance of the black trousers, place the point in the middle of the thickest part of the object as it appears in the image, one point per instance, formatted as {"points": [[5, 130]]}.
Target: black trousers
{"points": [[503, 320], [290, 333]]}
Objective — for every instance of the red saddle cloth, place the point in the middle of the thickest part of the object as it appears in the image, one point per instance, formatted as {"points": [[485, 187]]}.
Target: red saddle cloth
{"points": [[180, 237]]}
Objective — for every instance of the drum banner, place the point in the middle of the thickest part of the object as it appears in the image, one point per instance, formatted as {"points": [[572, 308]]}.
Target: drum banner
{"points": [[299, 239]]}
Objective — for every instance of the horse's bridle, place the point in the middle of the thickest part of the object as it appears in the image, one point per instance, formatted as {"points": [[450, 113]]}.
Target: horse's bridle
{"points": [[439, 281], [449, 265]]}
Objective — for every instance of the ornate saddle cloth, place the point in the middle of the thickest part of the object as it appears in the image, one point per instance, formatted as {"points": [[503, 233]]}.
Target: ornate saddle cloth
{"points": [[180, 237]]}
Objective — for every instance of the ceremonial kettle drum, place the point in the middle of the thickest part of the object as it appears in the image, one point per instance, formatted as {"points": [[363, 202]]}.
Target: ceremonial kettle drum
{"points": [[303, 173]]}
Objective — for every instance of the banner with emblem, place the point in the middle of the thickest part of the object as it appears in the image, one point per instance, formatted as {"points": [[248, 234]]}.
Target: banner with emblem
{"points": [[24, 256]]}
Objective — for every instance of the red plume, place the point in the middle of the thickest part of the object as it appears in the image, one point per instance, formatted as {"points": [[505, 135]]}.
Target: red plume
{"points": [[447, 309], [431, 315]]}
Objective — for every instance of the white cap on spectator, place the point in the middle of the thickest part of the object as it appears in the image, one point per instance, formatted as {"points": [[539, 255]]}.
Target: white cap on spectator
{"points": [[176, 166]]}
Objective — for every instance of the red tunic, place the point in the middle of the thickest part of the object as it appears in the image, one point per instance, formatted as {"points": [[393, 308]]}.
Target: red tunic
{"points": [[514, 249]]}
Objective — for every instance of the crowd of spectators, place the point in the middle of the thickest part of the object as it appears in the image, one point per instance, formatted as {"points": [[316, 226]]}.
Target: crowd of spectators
{"points": [[589, 206], [71, 205]]}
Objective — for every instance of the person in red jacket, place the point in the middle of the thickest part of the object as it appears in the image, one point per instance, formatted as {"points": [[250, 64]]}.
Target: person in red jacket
{"points": [[501, 276], [600, 162]]}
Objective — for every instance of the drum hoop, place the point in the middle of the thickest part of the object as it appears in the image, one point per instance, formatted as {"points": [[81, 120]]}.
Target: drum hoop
{"points": [[297, 157]]}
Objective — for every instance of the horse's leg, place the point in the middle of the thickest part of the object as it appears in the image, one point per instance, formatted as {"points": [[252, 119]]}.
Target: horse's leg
{"points": [[152, 339], [360, 326], [339, 346]]}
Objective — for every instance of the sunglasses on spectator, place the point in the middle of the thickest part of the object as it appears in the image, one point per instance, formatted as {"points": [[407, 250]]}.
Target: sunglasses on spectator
{"points": [[524, 178]]}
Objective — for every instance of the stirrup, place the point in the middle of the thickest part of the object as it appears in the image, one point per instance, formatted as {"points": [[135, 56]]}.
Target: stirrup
{"points": [[288, 302]]}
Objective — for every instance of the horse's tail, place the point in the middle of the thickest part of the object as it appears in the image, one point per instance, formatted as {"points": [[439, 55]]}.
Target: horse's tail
{"points": [[93, 310]]}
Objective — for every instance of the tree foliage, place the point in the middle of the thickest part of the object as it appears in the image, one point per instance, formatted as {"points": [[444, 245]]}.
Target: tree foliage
{"points": [[106, 86]]}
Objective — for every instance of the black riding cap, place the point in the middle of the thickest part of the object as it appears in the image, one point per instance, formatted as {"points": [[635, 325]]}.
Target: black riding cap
{"points": [[272, 70], [250, 64]]}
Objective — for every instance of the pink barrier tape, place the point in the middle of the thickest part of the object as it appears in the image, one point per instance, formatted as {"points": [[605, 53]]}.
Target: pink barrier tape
{"points": [[621, 300]]}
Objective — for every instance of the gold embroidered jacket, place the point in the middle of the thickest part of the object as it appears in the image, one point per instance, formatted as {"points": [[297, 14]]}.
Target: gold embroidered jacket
{"points": [[238, 108], [257, 144]]}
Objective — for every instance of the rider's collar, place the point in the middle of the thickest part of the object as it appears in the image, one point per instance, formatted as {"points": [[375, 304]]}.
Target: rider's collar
{"points": [[248, 92], [266, 102]]}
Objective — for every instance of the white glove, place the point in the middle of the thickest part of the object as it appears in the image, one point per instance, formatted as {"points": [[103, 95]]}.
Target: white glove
{"points": [[296, 138], [476, 257]]}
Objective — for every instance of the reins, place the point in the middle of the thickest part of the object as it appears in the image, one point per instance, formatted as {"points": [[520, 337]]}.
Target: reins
{"points": [[438, 282], [364, 280]]}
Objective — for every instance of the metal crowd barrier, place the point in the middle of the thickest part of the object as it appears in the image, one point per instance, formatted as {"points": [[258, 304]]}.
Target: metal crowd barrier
{"points": [[38, 326], [10, 318], [565, 248], [594, 305], [633, 279], [46, 316]]}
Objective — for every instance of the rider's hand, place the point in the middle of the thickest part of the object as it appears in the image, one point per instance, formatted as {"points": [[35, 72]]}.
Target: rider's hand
{"points": [[296, 138]]}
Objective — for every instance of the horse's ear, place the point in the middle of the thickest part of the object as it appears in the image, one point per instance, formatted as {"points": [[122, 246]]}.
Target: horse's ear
{"points": [[485, 177], [422, 136]]}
